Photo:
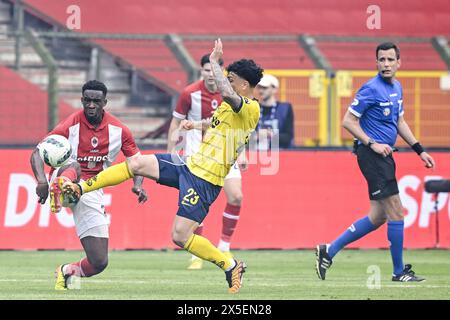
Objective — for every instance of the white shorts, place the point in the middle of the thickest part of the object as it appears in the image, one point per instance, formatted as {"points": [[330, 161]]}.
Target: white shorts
{"points": [[98, 232], [234, 172], [89, 213]]}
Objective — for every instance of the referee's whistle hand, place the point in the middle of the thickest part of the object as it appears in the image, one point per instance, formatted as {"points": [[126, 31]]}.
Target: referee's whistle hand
{"points": [[429, 161], [383, 149]]}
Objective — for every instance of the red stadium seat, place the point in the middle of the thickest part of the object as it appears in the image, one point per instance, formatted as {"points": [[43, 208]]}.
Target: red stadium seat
{"points": [[326, 17], [23, 110]]}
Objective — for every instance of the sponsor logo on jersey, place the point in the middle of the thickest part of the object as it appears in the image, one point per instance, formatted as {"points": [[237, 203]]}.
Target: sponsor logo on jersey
{"points": [[94, 142], [93, 158], [355, 102]]}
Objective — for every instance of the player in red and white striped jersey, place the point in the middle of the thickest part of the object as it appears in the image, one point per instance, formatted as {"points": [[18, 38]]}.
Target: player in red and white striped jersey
{"points": [[96, 138], [198, 101]]}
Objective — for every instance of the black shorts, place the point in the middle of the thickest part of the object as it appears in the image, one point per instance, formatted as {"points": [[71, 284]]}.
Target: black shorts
{"points": [[379, 172]]}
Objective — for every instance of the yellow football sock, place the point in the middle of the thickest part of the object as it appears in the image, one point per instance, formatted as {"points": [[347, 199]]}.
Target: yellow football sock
{"points": [[202, 248], [108, 177]]}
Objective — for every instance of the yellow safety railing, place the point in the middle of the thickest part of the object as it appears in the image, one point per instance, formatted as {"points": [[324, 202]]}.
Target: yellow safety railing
{"points": [[320, 102], [307, 91], [427, 106]]}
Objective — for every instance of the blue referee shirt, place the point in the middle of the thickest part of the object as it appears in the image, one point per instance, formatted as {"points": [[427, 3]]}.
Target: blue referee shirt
{"points": [[378, 105]]}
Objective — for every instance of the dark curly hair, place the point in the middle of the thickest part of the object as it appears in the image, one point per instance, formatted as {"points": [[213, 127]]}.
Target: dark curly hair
{"points": [[248, 70], [95, 85]]}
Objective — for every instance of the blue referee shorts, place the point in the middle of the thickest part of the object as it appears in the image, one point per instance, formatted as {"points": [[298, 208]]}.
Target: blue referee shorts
{"points": [[196, 195]]}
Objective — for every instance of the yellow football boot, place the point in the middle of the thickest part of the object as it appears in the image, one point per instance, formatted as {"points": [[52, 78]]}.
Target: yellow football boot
{"points": [[61, 279]]}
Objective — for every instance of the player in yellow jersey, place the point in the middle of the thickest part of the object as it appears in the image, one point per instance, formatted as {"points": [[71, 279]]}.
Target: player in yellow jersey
{"points": [[200, 177]]}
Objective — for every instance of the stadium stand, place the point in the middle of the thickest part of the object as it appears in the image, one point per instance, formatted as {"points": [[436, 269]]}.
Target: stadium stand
{"points": [[157, 63], [361, 56], [207, 17], [418, 18], [23, 112]]}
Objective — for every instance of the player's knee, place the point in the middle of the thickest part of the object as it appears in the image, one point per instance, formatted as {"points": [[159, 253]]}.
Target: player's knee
{"points": [[179, 238], [396, 216], [235, 198], [379, 221], [396, 212], [134, 164], [99, 264]]}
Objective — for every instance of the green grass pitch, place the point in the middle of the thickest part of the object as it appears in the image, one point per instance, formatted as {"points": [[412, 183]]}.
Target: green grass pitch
{"points": [[271, 274]]}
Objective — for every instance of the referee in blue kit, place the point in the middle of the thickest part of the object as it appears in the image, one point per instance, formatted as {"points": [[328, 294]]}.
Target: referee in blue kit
{"points": [[375, 118]]}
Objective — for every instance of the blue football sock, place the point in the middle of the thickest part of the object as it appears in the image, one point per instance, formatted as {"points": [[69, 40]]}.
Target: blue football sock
{"points": [[395, 237], [357, 230]]}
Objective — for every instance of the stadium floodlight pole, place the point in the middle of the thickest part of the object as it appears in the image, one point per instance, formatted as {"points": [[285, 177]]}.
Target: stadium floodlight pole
{"points": [[309, 44], [321, 62], [52, 87], [441, 45], [18, 24], [175, 44]]}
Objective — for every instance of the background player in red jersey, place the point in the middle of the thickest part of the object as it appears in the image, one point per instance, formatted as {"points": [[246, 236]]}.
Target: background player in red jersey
{"points": [[96, 137], [198, 101]]}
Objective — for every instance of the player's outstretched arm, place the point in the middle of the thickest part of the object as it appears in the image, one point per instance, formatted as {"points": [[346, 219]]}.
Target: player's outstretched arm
{"points": [[173, 135], [224, 86], [37, 165], [138, 190], [203, 124]]}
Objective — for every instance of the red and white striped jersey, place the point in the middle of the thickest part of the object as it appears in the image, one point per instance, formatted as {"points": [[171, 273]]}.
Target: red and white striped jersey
{"points": [[96, 149], [196, 103]]}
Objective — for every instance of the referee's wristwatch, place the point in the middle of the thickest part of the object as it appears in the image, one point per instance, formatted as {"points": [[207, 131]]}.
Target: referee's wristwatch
{"points": [[371, 142]]}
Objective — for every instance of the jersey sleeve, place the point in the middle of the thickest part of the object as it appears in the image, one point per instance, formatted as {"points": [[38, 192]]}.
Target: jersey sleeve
{"points": [[62, 128], [363, 100], [250, 111], [183, 105], [129, 147], [401, 108]]}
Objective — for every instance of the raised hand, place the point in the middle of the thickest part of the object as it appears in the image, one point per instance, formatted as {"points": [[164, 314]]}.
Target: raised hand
{"points": [[217, 52]]}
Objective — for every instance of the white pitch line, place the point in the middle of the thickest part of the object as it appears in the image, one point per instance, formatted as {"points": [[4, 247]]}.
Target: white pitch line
{"points": [[253, 284], [103, 281]]}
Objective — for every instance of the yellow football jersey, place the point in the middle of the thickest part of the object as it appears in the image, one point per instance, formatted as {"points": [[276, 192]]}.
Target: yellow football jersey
{"points": [[224, 140]]}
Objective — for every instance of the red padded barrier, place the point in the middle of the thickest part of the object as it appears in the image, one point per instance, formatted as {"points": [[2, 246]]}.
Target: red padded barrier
{"points": [[312, 198]]}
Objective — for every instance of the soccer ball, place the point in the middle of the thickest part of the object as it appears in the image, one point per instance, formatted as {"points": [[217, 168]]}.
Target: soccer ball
{"points": [[55, 150]]}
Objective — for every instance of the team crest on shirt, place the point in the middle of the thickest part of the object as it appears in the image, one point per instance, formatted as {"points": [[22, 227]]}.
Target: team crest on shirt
{"points": [[94, 142], [386, 111], [214, 104]]}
